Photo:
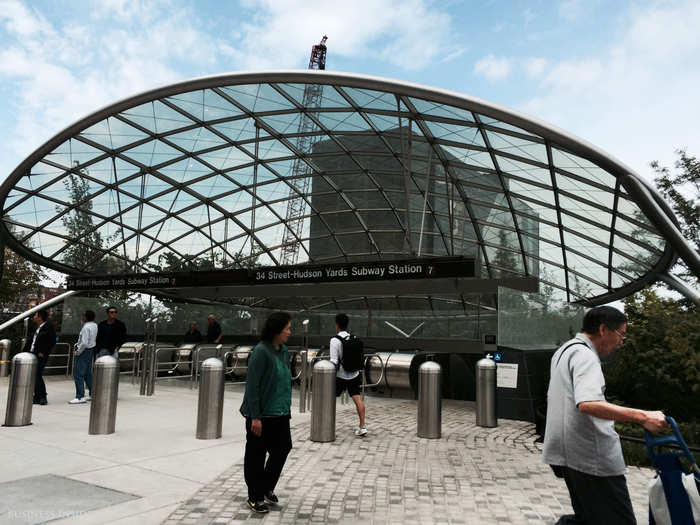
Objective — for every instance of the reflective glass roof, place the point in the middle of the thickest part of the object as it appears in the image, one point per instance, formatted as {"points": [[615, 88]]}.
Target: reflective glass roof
{"points": [[271, 168]]}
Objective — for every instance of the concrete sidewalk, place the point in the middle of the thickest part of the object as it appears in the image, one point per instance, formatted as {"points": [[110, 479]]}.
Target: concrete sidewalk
{"points": [[151, 464]]}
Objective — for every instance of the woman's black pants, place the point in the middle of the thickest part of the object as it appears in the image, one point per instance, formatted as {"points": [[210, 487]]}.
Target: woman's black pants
{"points": [[275, 440]]}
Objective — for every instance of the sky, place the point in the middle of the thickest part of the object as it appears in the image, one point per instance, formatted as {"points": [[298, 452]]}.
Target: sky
{"points": [[622, 75]]}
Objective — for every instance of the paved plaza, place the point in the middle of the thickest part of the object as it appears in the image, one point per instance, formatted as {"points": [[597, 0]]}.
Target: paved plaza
{"points": [[153, 470], [472, 475]]}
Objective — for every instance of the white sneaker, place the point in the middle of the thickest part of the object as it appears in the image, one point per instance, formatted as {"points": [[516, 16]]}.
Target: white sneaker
{"points": [[87, 398], [76, 401], [361, 432]]}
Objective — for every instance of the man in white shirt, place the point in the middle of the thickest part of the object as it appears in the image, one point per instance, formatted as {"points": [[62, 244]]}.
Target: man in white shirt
{"points": [[82, 363], [580, 442], [345, 380]]}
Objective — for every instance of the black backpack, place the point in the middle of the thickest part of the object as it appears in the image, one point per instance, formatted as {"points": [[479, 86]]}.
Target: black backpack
{"points": [[353, 353]]}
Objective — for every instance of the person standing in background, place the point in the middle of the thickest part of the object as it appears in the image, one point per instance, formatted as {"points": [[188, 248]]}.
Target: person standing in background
{"points": [[82, 362], [111, 334], [192, 335], [41, 344], [214, 334]]}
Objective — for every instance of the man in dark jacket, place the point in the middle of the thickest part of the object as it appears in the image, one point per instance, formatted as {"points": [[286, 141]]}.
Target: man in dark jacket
{"points": [[111, 334], [214, 334], [41, 344], [192, 335]]}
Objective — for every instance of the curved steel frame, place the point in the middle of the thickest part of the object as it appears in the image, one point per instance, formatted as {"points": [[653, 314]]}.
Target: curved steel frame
{"points": [[647, 199]]}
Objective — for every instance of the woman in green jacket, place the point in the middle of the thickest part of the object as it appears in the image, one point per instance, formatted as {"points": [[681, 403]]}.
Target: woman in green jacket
{"points": [[267, 409]]}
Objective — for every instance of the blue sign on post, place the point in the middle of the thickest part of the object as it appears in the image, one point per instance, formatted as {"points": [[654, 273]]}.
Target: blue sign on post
{"points": [[498, 357]]}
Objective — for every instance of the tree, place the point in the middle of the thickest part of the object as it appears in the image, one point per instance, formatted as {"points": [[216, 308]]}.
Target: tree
{"points": [[659, 365], [85, 242], [681, 187], [18, 277]]}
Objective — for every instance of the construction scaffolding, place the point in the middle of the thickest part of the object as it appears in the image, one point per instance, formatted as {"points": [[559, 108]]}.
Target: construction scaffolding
{"points": [[301, 172]]}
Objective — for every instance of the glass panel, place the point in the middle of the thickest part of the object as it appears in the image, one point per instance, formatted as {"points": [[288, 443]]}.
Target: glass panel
{"points": [[453, 132], [426, 107], [258, 97], [551, 253], [196, 139], [529, 320], [385, 122], [358, 243], [525, 170], [582, 189], [367, 98], [237, 130], [585, 210], [113, 133], [469, 177], [226, 158], [290, 123], [184, 170], [343, 121], [517, 146], [580, 166], [327, 95], [572, 240], [467, 156], [153, 153], [499, 124], [640, 234], [532, 192]]}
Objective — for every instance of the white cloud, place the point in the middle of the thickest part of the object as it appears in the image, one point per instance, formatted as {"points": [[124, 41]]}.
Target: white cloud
{"points": [[570, 9], [409, 34], [493, 68], [60, 73], [20, 20], [535, 67], [638, 100]]}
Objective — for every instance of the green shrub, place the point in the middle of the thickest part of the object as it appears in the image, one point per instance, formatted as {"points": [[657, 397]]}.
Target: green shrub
{"points": [[658, 368]]}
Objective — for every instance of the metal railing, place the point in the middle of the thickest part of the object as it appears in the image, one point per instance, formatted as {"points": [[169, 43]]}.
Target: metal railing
{"points": [[197, 360], [364, 379], [239, 360], [68, 355]]}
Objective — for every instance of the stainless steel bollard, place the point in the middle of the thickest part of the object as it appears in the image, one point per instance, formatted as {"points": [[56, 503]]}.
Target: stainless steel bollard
{"points": [[105, 389], [5, 357], [210, 407], [21, 393], [323, 403], [429, 401], [486, 393]]}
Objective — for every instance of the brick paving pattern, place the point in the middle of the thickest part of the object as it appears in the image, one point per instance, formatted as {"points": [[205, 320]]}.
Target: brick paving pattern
{"points": [[471, 475]]}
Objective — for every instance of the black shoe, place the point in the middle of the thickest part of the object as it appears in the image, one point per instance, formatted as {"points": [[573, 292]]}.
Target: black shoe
{"points": [[258, 506], [43, 402], [271, 498], [35, 402]]}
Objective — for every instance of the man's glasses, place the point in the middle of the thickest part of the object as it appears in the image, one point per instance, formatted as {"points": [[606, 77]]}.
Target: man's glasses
{"points": [[112, 312], [622, 336]]}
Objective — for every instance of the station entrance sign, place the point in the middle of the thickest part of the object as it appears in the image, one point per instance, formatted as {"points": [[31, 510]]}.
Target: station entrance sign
{"points": [[433, 268]]}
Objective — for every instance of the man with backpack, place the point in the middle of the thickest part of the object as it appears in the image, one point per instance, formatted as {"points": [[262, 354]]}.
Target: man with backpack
{"points": [[347, 354]]}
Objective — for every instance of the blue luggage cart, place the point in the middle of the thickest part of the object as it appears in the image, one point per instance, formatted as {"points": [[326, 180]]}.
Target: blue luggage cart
{"points": [[671, 471]]}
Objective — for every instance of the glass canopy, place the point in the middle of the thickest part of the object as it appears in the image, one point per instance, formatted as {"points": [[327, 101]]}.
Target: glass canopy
{"points": [[293, 167]]}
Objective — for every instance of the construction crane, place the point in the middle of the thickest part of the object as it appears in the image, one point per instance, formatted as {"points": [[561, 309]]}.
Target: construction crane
{"points": [[301, 172]]}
